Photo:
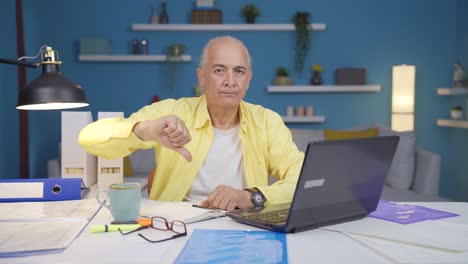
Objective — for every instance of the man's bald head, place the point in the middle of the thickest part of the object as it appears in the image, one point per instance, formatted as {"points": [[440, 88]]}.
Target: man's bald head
{"points": [[224, 39]]}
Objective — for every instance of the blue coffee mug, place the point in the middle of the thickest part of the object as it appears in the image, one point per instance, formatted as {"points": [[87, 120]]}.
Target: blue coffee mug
{"points": [[123, 200]]}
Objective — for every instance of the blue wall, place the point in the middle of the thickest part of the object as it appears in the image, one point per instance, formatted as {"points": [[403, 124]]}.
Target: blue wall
{"points": [[459, 137], [9, 153], [363, 33]]}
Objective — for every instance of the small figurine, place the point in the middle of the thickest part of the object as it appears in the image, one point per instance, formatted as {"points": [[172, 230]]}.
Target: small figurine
{"points": [[135, 47], [144, 47], [290, 110], [316, 77], [309, 110], [300, 110]]}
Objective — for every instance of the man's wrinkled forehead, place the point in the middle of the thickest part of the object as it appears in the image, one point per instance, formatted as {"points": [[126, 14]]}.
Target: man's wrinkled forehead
{"points": [[223, 51]]}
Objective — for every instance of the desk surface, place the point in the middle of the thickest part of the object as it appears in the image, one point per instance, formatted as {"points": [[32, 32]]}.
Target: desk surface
{"points": [[322, 245]]}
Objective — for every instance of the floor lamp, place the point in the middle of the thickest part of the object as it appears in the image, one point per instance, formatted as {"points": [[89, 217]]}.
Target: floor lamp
{"points": [[403, 90]]}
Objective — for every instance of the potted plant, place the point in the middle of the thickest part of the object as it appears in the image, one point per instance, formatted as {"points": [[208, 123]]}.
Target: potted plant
{"points": [[250, 12], [301, 25], [175, 50], [282, 77], [456, 112], [316, 76]]}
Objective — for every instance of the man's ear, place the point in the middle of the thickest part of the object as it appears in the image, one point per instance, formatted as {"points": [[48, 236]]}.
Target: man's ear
{"points": [[250, 75], [201, 77]]}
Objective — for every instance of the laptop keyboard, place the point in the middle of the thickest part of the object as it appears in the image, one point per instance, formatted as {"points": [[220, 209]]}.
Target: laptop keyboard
{"points": [[279, 216]]}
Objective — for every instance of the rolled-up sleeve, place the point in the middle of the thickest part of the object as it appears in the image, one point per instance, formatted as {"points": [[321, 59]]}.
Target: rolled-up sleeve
{"points": [[113, 137], [285, 162]]}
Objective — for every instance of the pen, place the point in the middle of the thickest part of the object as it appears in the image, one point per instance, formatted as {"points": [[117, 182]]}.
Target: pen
{"points": [[112, 228], [201, 206]]}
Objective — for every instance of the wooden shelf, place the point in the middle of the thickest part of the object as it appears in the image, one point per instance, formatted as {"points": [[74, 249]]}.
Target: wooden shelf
{"points": [[303, 119], [323, 88], [452, 91], [221, 27], [452, 123], [134, 58]]}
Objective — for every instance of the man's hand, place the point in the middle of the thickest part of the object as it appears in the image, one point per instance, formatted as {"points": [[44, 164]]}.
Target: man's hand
{"points": [[170, 131], [227, 198]]}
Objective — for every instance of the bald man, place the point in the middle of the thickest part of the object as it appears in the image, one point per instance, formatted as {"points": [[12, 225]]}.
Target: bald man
{"points": [[216, 149]]}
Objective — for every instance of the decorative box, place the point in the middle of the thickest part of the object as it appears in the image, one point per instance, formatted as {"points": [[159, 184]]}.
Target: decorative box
{"points": [[207, 16], [350, 76], [95, 46]]}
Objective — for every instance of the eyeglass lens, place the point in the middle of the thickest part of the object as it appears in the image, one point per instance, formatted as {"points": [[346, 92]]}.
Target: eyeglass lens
{"points": [[178, 227], [161, 223]]}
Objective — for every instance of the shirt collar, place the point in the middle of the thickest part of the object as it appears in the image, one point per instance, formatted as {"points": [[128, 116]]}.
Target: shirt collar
{"points": [[202, 116]]}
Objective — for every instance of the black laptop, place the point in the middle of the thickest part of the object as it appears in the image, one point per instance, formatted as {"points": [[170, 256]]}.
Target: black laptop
{"points": [[340, 181]]}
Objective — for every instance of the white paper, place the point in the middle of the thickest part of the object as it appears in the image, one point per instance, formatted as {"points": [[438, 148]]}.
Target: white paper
{"points": [[183, 211], [25, 211], [407, 253], [35, 236], [432, 234]]}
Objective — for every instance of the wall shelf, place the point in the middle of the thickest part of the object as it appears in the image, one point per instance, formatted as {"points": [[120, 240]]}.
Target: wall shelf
{"points": [[303, 119], [221, 27], [323, 88], [452, 123], [133, 58], [452, 91]]}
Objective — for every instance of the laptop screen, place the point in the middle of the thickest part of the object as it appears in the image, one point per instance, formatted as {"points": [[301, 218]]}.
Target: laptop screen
{"points": [[343, 177]]}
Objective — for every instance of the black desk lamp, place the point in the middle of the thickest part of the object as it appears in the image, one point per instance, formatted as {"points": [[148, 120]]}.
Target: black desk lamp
{"points": [[50, 90]]}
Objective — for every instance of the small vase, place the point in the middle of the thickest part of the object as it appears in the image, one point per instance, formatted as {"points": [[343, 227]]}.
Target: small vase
{"points": [[154, 19], [316, 79], [163, 17]]}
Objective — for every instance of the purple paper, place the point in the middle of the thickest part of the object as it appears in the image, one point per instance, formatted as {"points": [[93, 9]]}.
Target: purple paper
{"points": [[406, 213]]}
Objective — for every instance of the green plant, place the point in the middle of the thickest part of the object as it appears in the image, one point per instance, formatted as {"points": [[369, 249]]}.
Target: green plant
{"points": [[175, 50], [250, 11], [301, 24], [281, 71], [457, 108]]}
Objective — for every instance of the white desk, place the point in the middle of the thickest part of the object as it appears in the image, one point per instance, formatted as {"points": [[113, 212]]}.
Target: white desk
{"points": [[319, 246]]}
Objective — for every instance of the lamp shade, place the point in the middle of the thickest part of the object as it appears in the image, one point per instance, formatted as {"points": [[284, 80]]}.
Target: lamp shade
{"points": [[403, 90], [51, 91]]}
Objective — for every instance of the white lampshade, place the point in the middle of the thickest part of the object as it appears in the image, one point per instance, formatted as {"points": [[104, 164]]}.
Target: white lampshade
{"points": [[402, 122], [403, 89]]}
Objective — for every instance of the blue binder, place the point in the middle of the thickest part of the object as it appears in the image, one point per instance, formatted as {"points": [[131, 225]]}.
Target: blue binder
{"points": [[41, 190]]}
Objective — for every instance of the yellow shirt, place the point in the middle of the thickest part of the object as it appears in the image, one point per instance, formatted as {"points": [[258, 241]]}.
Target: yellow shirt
{"points": [[267, 147]]}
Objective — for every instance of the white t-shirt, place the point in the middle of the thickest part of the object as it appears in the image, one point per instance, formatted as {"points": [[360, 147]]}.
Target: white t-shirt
{"points": [[223, 166]]}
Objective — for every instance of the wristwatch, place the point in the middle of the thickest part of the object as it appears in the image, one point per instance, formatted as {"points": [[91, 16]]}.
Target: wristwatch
{"points": [[257, 197]]}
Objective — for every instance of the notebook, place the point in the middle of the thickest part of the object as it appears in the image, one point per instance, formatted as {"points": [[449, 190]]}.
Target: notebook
{"points": [[340, 181], [183, 211]]}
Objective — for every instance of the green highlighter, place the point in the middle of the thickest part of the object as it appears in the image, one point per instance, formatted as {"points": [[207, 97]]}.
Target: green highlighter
{"points": [[112, 228]]}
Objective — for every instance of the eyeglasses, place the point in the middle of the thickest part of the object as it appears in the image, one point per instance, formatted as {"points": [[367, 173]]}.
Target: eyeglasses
{"points": [[161, 223]]}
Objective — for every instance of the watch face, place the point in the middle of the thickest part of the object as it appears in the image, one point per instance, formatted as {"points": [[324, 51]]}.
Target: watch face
{"points": [[257, 199]]}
